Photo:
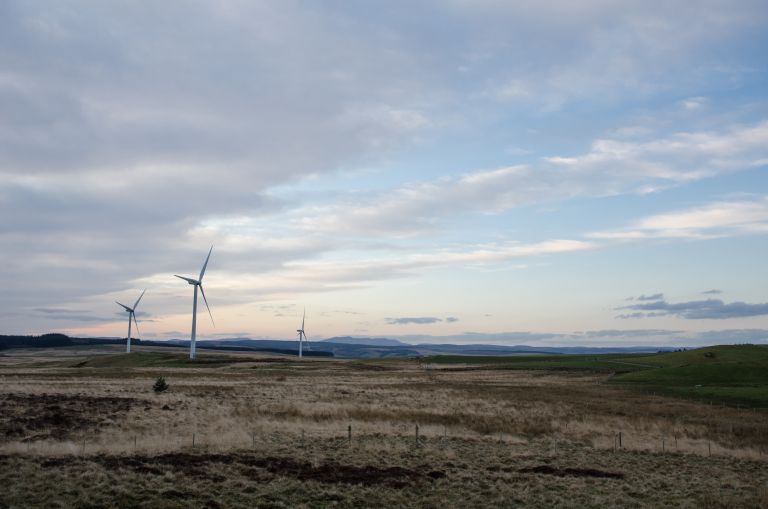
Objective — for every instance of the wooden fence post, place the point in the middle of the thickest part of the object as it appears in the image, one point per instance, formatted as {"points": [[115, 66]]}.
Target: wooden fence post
{"points": [[349, 434]]}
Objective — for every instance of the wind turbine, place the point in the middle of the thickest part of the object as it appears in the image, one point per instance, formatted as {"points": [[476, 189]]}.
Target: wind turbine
{"points": [[131, 314], [197, 283], [302, 334]]}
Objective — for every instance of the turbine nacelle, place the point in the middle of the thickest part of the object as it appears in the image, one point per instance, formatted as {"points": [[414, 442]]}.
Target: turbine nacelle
{"points": [[129, 310]]}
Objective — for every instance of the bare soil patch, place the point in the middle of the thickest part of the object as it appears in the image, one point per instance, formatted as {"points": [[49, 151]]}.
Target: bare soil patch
{"points": [[573, 472], [40, 416], [205, 465]]}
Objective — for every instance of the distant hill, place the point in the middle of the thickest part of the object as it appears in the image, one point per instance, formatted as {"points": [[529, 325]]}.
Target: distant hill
{"points": [[343, 346], [349, 340], [50, 341]]}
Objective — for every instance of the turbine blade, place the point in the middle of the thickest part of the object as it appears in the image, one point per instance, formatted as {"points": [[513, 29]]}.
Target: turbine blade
{"points": [[206, 305], [137, 300], [137, 323], [124, 306], [187, 279], [202, 272], [302, 318]]}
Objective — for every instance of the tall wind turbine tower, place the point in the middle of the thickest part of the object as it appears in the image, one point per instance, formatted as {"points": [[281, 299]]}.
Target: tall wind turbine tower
{"points": [[131, 314], [197, 283], [302, 335]]}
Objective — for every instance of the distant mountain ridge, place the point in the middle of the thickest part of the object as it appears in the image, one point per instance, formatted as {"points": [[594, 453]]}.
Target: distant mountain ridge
{"points": [[371, 348], [343, 346]]}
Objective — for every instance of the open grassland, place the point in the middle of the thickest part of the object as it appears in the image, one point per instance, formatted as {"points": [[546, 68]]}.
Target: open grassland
{"points": [[735, 375], [246, 430]]}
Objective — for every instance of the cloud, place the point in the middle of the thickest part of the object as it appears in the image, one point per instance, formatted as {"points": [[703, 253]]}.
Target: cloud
{"points": [[611, 167], [747, 216], [710, 309], [733, 336], [484, 337], [629, 333], [73, 315], [638, 315], [419, 320], [712, 292], [694, 103], [451, 319], [655, 296]]}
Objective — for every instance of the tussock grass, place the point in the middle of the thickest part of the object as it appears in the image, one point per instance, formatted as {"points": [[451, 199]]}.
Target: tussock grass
{"points": [[497, 437]]}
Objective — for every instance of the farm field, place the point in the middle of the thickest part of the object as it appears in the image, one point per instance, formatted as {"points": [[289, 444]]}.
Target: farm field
{"points": [[82, 427]]}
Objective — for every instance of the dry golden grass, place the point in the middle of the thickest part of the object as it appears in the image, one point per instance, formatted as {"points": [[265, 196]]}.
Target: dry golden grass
{"points": [[274, 433]]}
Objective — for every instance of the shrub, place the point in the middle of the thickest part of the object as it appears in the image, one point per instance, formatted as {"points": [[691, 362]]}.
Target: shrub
{"points": [[160, 385]]}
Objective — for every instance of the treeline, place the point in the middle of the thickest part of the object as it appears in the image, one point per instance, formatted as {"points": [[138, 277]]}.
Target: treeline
{"points": [[50, 341]]}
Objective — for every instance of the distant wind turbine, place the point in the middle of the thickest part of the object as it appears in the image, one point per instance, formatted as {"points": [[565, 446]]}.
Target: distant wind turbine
{"points": [[131, 314], [302, 334], [197, 283]]}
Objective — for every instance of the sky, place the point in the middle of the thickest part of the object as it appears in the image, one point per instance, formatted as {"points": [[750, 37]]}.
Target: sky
{"points": [[542, 173]]}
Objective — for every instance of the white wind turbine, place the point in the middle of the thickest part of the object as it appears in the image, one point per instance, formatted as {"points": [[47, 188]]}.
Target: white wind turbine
{"points": [[197, 283], [131, 314], [302, 335]]}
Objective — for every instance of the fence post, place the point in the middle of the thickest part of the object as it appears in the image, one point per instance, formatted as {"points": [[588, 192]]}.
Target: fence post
{"points": [[662, 445], [620, 446], [349, 434], [417, 435], [193, 440]]}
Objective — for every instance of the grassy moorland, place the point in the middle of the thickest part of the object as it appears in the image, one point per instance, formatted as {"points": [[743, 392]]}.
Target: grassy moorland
{"points": [[267, 431], [733, 374], [158, 360]]}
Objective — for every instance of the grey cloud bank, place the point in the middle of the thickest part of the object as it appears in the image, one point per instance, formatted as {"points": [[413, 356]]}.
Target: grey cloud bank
{"points": [[710, 309]]}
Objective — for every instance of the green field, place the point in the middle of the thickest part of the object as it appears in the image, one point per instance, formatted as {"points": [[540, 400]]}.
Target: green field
{"points": [[732, 374]]}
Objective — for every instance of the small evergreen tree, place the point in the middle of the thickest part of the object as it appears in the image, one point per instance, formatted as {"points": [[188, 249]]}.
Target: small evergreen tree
{"points": [[160, 385]]}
